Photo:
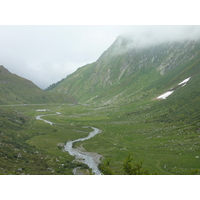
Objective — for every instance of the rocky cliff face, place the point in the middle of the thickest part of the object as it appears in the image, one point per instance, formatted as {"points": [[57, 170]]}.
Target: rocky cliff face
{"points": [[129, 67], [177, 54]]}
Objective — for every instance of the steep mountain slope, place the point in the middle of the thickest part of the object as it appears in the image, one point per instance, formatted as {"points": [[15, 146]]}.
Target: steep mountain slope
{"points": [[127, 72], [15, 89]]}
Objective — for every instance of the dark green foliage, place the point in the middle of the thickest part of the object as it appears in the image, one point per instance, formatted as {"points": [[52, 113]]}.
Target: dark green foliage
{"points": [[133, 169], [195, 172], [129, 168], [105, 168], [52, 86]]}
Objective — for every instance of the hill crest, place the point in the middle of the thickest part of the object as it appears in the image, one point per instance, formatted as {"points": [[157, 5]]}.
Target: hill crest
{"points": [[18, 90], [126, 69]]}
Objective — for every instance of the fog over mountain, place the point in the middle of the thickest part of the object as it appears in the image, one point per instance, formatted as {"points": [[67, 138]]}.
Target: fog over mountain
{"points": [[46, 54]]}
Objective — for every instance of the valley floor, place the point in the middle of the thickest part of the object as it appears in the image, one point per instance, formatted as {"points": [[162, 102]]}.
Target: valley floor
{"points": [[164, 147]]}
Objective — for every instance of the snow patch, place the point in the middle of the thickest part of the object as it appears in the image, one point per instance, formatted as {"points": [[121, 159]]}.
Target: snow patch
{"points": [[184, 82], [165, 95]]}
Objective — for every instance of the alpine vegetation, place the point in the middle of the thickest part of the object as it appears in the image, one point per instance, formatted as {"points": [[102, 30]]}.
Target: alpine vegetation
{"points": [[141, 96]]}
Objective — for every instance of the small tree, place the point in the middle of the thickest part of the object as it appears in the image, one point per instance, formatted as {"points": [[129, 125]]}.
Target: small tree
{"points": [[105, 168], [128, 167], [195, 172]]}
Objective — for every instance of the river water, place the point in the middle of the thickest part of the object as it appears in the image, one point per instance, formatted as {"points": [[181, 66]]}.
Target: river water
{"points": [[48, 122], [84, 157]]}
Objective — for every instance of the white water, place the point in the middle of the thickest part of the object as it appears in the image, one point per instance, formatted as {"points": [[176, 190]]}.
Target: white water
{"points": [[81, 156]]}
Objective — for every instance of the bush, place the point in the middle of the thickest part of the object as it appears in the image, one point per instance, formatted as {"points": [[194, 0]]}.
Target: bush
{"points": [[128, 167]]}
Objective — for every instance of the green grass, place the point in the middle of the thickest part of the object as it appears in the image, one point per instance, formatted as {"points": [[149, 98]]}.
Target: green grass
{"points": [[164, 134], [34, 147], [18, 90], [164, 147], [168, 148]]}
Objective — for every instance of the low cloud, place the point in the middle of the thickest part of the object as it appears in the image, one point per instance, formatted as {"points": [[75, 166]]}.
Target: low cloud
{"points": [[135, 37], [46, 54], [49, 73]]}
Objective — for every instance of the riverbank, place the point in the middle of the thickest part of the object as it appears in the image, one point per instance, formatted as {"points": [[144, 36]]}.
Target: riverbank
{"points": [[95, 156], [91, 159]]}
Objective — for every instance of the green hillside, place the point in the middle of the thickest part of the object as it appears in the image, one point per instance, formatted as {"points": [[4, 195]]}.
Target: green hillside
{"points": [[18, 90], [128, 73]]}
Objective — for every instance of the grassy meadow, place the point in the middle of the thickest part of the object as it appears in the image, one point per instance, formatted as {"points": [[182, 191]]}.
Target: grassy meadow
{"points": [[31, 146], [165, 138], [164, 147]]}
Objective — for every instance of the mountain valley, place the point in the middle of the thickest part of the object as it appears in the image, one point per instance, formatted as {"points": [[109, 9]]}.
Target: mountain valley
{"points": [[120, 94]]}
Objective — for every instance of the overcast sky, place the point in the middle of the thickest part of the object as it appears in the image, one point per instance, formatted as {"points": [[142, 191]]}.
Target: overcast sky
{"points": [[46, 54]]}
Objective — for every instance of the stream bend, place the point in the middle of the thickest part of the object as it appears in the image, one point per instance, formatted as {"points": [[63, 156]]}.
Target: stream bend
{"points": [[84, 157]]}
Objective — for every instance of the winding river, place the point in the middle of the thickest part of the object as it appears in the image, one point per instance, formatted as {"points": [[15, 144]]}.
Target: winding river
{"points": [[87, 158], [84, 157]]}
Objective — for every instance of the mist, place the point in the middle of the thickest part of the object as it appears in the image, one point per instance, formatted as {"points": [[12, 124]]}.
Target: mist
{"points": [[47, 54], [146, 36]]}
